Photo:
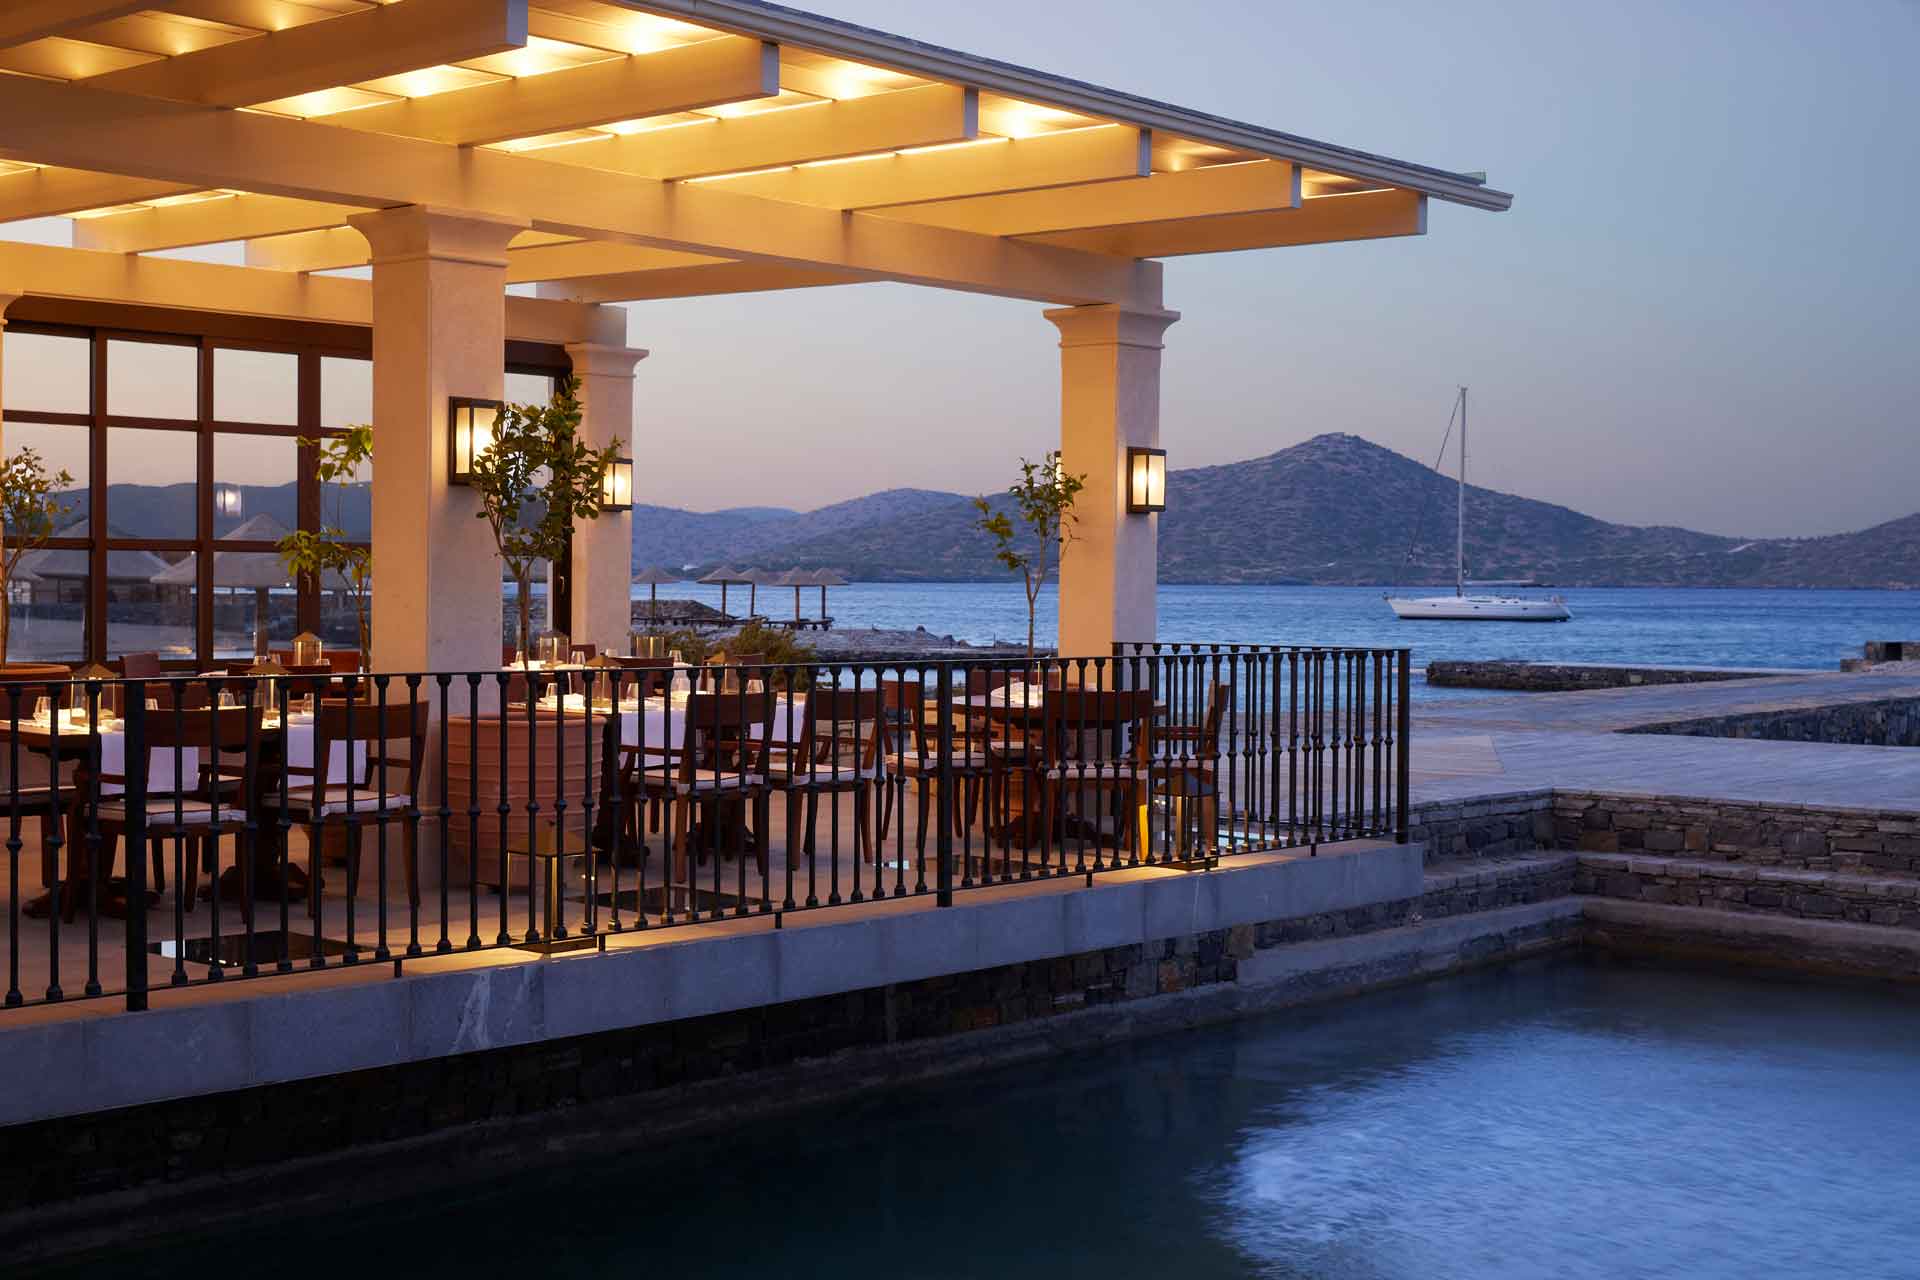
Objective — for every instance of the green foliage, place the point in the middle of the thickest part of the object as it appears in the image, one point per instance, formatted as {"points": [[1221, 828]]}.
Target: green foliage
{"points": [[779, 647], [30, 510], [1029, 540], [535, 480], [328, 552]]}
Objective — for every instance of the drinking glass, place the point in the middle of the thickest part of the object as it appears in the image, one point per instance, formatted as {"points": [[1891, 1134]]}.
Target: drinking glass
{"points": [[227, 699], [756, 686], [519, 657], [677, 658], [153, 704], [43, 709]]}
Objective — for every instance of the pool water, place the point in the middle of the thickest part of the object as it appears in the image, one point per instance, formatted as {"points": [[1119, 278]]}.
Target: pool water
{"points": [[1565, 1118]]}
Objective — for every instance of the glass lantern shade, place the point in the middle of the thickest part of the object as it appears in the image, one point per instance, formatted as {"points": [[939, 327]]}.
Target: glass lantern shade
{"points": [[1146, 480], [470, 428]]}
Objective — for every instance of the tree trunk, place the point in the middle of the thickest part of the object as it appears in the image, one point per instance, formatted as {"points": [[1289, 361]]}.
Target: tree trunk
{"points": [[6, 619], [366, 633], [526, 617]]}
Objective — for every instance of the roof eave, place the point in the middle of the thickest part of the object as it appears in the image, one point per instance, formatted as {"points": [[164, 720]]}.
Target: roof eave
{"points": [[828, 35]]}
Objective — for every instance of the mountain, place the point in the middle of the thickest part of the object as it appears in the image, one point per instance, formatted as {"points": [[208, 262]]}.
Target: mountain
{"points": [[1335, 510]]}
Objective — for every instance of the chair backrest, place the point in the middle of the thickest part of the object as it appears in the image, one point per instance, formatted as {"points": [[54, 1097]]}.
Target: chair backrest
{"points": [[1084, 725], [140, 666], [843, 715], [653, 678], [903, 705], [342, 661], [220, 729], [713, 720], [983, 681], [364, 721]]}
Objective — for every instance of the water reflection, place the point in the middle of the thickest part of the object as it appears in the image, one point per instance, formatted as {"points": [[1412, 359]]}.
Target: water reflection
{"points": [[1562, 1120]]}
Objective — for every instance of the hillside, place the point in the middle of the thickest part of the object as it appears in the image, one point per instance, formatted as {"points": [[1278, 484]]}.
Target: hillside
{"points": [[1334, 510]]}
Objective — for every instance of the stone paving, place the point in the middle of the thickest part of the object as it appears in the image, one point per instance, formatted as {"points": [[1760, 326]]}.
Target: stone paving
{"points": [[1469, 748]]}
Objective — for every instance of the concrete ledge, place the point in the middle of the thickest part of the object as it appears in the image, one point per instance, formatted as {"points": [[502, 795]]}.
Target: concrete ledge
{"points": [[1369, 959], [1774, 942], [263, 1033]]}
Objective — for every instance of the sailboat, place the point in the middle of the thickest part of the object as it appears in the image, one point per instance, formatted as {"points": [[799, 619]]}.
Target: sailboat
{"points": [[1461, 607]]}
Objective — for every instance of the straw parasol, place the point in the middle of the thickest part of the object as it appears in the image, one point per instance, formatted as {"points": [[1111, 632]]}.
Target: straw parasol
{"points": [[796, 578], [757, 578], [824, 578], [654, 577], [722, 576]]}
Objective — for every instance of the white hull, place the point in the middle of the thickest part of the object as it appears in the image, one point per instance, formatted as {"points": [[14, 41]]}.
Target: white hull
{"points": [[1478, 609]]}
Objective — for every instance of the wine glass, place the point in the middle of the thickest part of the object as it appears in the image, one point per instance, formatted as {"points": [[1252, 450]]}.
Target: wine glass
{"points": [[43, 709]]}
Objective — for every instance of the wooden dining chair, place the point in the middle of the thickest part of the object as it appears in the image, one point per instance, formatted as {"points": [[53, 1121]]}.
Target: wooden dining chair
{"points": [[190, 815], [653, 676], [719, 766], [837, 722], [393, 736], [1185, 766], [913, 756], [1098, 742]]}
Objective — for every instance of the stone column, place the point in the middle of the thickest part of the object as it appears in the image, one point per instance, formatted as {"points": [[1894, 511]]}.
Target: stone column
{"points": [[439, 330], [1109, 400], [603, 548]]}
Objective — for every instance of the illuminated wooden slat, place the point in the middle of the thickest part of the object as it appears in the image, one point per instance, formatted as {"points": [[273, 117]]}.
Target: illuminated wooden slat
{"points": [[53, 123], [336, 248], [698, 75], [24, 20], [1259, 186], [1369, 215], [984, 167], [337, 51], [237, 217], [927, 116], [695, 282], [52, 192]]}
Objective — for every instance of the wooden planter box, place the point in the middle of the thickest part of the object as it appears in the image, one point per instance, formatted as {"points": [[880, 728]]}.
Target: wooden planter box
{"points": [[474, 777]]}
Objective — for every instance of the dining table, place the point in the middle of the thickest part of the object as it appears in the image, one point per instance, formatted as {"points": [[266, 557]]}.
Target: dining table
{"points": [[97, 749]]}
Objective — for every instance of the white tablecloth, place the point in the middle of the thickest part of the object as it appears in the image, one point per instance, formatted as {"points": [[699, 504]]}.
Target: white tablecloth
{"points": [[664, 721], [161, 775]]}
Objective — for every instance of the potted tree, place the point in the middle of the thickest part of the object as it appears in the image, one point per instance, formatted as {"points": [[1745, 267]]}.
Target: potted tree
{"points": [[535, 480], [1028, 540], [30, 510], [327, 551]]}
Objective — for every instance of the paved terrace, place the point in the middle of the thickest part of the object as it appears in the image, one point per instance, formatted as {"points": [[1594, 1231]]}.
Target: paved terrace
{"points": [[1575, 741]]}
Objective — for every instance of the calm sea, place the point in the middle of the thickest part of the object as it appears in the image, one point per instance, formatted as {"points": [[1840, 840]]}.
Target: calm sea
{"points": [[1812, 629]]}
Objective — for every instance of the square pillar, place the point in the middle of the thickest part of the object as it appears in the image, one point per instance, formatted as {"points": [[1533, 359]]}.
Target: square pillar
{"points": [[439, 330], [603, 548], [6, 300], [1109, 400]]}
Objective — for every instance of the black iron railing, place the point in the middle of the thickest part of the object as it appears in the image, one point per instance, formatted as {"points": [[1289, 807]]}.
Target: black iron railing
{"points": [[185, 830]]}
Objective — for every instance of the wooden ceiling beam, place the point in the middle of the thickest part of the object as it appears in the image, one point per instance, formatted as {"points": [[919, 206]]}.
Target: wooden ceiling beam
{"points": [[985, 167], [336, 248], [234, 217], [383, 41], [710, 74], [25, 20], [1260, 186], [50, 191], [931, 115], [696, 282], [46, 122], [1370, 215]]}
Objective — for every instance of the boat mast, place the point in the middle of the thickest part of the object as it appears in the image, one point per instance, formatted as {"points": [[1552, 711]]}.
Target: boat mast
{"points": [[1460, 509]]}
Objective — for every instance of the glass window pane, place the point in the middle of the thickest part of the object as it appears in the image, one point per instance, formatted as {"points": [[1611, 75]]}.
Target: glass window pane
{"points": [[529, 388], [348, 504], [256, 386], [255, 486], [153, 380], [150, 603], [151, 483], [51, 374], [60, 449], [241, 604], [346, 392], [47, 607]]}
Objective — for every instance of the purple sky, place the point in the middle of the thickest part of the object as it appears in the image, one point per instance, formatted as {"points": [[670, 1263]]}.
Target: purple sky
{"points": [[1699, 311]]}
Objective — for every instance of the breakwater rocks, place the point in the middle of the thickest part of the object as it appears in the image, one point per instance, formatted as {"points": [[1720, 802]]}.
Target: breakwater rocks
{"points": [[1561, 677]]}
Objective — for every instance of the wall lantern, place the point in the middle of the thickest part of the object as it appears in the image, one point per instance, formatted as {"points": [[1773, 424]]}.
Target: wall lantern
{"points": [[1146, 480], [227, 501], [470, 425], [616, 486]]}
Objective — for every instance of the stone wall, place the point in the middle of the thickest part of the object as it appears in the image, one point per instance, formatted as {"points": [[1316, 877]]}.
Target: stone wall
{"points": [[1556, 677], [1788, 836], [1891, 722], [1486, 826], [1808, 895]]}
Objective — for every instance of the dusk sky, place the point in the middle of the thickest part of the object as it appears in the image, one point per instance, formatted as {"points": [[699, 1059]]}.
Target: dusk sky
{"points": [[1700, 310]]}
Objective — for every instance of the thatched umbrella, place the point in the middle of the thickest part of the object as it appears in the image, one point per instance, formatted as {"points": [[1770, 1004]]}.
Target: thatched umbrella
{"points": [[757, 578], [723, 576], [796, 578], [824, 578], [654, 576]]}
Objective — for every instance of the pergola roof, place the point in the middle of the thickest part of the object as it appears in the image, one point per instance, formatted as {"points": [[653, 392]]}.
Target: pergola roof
{"points": [[649, 150]]}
